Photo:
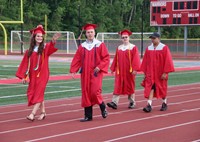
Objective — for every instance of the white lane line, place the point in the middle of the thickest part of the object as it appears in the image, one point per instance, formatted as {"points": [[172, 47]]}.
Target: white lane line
{"points": [[196, 140], [138, 95], [113, 124], [79, 89], [119, 112], [51, 92], [152, 131]]}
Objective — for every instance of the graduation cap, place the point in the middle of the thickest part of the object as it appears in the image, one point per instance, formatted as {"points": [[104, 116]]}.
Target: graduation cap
{"points": [[87, 27], [125, 32], [155, 35], [38, 29]]}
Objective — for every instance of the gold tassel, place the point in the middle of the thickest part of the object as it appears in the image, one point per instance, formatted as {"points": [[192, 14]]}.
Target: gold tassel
{"points": [[129, 54], [117, 64]]}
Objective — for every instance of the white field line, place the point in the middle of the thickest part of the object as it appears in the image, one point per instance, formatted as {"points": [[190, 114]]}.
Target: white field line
{"points": [[61, 105], [119, 112], [49, 83], [196, 140], [139, 76], [152, 131], [137, 95], [76, 110], [120, 123], [22, 95]]}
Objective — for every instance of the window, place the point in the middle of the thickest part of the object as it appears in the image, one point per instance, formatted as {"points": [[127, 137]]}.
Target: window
{"points": [[154, 9], [190, 20], [158, 9], [153, 18], [164, 20], [181, 5], [195, 20], [174, 20], [175, 5], [179, 20], [194, 5], [189, 5]]}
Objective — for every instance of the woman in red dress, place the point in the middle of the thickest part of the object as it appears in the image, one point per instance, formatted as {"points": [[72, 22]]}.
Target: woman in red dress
{"points": [[34, 66]]}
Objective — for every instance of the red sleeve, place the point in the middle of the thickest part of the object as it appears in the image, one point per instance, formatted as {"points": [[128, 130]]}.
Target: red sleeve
{"points": [[114, 62], [21, 71], [50, 48], [168, 65], [105, 59], [143, 66], [76, 62], [135, 59]]}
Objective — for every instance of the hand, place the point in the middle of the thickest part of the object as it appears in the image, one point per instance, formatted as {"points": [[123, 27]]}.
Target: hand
{"points": [[73, 74], [96, 70], [24, 81], [164, 76], [56, 36], [134, 72]]}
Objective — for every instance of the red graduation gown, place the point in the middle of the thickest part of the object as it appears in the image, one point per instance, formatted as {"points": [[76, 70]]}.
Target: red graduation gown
{"points": [[37, 78], [156, 62], [124, 60], [87, 59]]}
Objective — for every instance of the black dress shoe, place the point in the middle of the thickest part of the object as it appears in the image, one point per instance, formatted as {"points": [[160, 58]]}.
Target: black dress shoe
{"points": [[112, 105], [104, 113], [86, 119], [164, 107], [131, 105], [147, 108]]}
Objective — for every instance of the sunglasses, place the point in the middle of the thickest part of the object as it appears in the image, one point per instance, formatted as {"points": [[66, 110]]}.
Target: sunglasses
{"points": [[124, 37]]}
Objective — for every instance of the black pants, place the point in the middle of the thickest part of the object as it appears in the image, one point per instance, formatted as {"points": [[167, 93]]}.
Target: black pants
{"points": [[89, 110], [153, 87]]}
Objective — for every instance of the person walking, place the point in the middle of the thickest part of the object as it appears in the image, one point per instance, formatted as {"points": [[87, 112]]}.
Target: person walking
{"points": [[125, 64], [156, 65], [34, 66], [92, 59]]}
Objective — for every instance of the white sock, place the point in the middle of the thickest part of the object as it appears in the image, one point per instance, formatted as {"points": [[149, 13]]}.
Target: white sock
{"points": [[165, 101], [149, 102]]}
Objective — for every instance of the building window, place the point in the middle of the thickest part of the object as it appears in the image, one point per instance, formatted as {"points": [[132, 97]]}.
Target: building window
{"points": [[154, 9], [181, 5], [189, 5], [174, 20], [158, 9], [175, 5], [179, 20], [164, 20], [190, 20], [195, 20], [194, 6]]}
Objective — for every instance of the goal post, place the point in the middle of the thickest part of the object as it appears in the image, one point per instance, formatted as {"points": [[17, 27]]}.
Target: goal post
{"points": [[66, 43], [113, 40]]}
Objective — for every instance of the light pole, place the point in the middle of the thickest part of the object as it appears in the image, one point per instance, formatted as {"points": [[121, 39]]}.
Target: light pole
{"points": [[142, 29], [79, 23]]}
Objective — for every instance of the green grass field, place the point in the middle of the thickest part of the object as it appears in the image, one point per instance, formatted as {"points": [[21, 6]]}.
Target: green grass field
{"points": [[16, 93]]}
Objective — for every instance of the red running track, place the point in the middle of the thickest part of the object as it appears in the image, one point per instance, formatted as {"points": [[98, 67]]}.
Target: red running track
{"points": [[180, 123]]}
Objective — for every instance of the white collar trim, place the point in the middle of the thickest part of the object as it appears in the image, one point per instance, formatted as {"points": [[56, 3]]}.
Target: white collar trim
{"points": [[91, 45], [126, 47], [159, 47]]}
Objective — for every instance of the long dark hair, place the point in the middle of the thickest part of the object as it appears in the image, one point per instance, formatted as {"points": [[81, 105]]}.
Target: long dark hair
{"points": [[32, 45]]}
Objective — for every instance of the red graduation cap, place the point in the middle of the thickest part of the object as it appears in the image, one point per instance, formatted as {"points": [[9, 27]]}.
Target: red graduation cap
{"points": [[89, 26], [38, 29], [125, 32]]}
